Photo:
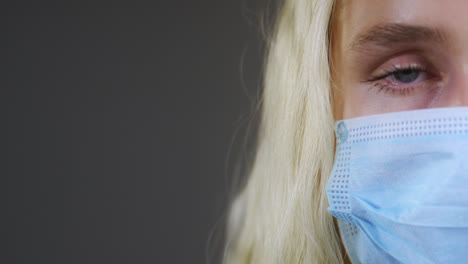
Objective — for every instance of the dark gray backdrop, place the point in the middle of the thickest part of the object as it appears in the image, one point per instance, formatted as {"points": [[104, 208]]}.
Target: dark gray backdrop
{"points": [[119, 121]]}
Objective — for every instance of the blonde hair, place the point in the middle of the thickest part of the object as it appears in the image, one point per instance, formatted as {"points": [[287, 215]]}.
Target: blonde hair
{"points": [[281, 214]]}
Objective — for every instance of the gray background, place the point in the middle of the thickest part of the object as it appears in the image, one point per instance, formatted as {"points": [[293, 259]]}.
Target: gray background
{"points": [[119, 120]]}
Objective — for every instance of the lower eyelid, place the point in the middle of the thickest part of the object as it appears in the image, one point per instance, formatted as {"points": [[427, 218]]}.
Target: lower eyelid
{"points": [[404, 89]]}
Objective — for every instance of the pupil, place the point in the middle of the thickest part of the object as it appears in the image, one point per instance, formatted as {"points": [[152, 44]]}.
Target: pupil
{"points": [[406, 76]]}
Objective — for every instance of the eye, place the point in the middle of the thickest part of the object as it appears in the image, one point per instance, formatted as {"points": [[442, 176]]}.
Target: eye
{"points": [[405, 75], [403, 80], [399, 75]]}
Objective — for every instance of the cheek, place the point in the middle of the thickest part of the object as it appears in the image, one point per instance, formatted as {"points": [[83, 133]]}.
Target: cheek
{"points": [[359, 100], [338, 101]]}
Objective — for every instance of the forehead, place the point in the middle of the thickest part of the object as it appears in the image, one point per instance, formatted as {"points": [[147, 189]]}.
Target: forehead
{"points": [[355, 17]]}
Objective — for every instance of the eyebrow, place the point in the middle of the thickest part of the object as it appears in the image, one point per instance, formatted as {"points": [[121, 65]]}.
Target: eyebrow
{"points": [[388, 35]]}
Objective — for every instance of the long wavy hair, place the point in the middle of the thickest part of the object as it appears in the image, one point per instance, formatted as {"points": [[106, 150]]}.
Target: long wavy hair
{"points": [[280, 215]]}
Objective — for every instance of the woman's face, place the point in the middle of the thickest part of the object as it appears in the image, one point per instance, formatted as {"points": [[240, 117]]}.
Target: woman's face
{"points": [[396, 55]]}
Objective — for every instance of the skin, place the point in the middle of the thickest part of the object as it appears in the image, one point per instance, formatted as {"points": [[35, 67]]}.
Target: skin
{"points": [[398, 55]]}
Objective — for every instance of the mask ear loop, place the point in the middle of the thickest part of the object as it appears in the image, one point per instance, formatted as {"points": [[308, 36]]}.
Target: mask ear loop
{"points": [[340, 133], [336, 99], [343, 250], [334, 90]]}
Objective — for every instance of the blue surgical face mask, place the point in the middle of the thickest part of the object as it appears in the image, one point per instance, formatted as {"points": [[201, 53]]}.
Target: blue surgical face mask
{"points": [[399, 186]]}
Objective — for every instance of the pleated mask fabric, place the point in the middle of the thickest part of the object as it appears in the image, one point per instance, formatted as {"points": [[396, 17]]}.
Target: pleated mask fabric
{"points": [[399, 186]]}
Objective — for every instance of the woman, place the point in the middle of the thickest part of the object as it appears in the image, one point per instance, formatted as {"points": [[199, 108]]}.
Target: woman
{"points": [[348, 60]]}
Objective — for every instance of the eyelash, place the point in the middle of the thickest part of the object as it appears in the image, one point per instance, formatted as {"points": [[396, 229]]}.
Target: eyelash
{"points": [[377, 80]]}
